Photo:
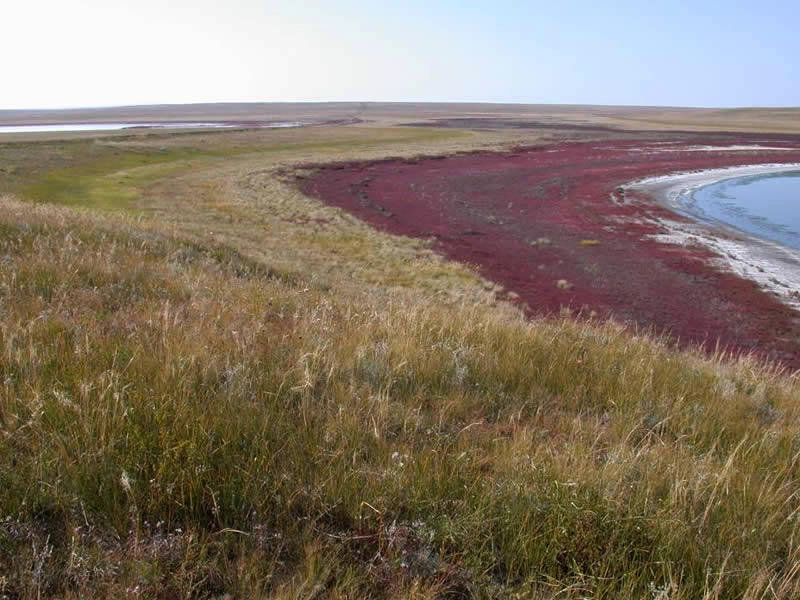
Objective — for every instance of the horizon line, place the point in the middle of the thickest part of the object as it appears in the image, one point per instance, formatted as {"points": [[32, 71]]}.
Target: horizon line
{"points": [[393, 102]]}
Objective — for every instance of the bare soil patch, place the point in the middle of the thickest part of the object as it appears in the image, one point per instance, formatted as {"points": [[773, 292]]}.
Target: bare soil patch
{"points": [[501, 123]]}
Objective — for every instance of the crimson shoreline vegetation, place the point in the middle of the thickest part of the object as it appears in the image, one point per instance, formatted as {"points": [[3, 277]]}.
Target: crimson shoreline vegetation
{"points": [[556, 228]]}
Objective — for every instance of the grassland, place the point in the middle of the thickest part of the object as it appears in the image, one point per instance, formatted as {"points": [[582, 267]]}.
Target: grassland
{"points": [[214, 386]]}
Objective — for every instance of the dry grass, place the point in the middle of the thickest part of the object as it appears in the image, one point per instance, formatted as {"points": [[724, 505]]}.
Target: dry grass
{"points": [[228, 388]]}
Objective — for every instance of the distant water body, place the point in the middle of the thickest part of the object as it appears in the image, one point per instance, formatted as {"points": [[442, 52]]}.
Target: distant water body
{"points": [[766, 206], [118, 126]]}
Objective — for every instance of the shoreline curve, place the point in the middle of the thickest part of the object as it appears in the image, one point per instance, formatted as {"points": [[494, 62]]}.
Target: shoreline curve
{"points": [[774, 267]]}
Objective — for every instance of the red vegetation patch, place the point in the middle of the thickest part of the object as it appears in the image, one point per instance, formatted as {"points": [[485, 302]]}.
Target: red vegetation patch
{"points": [[551, 224]]}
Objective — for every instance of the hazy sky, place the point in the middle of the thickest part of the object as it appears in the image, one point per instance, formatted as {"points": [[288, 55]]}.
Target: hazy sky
{"points": [[58, 53]]}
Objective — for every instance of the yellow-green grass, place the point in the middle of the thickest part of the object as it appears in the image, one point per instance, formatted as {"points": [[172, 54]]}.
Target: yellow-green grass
{"points": [[114, 179], [273, 410]]}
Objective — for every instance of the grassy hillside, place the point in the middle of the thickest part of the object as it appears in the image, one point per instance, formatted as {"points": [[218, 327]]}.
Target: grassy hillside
{"points": [[212, 385]]}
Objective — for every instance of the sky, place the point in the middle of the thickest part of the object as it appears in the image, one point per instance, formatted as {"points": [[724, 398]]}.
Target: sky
{"points": [[75, 53]]}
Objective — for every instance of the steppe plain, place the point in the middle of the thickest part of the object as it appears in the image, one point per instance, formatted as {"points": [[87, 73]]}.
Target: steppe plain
{"points": [[325, 362]]}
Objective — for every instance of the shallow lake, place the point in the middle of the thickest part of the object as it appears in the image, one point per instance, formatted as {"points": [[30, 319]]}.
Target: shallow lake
{"points": [[118, 126], [766, 206]]}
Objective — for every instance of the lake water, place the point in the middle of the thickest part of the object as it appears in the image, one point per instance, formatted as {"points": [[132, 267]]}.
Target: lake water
{"points": [[118, 126], [766, 206]]}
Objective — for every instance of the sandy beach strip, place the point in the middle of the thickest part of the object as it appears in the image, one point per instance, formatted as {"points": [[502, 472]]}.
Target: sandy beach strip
{"points": [[774, 267]]}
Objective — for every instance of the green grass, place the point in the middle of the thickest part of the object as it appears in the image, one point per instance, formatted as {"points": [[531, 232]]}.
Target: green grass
{"points": [[183, 416], [116, 180], [112, 183]]}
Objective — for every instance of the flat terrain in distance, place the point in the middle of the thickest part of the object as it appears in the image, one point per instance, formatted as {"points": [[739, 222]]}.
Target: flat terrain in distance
{"points": [[775, 120], [332, 362]]}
